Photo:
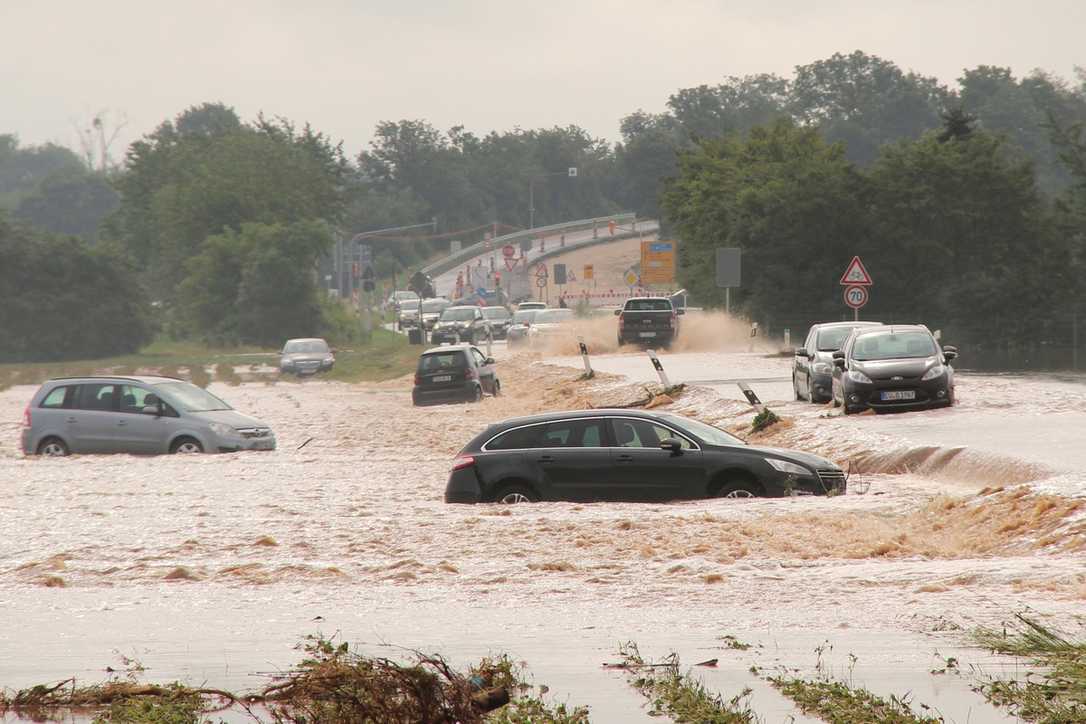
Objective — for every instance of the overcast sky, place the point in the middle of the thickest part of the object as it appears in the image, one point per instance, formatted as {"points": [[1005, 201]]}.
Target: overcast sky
{"points": [[344, 65]]}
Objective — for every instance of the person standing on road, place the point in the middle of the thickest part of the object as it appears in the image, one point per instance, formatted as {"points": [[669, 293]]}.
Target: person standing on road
{"points": [[562, 302]]}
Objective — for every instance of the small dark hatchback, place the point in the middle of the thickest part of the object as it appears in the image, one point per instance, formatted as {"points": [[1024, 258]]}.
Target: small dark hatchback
{"points": [[454, 373], [590, 455]]}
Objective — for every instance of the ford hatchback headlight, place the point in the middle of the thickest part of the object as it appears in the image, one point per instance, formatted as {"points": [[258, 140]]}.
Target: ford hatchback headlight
{"points": [[783, 466], [936, 371], [857, 376]]}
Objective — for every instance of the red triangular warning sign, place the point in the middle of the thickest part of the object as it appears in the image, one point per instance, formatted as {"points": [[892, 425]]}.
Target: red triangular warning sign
{"points": [[856, 275]]}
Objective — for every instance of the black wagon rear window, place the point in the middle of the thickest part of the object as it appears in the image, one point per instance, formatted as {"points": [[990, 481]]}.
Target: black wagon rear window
{"points": [[520, 438], [442, 361]]}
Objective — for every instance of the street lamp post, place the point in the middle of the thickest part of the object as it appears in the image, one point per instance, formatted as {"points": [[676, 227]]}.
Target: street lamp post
{"points": [[571, 172]]}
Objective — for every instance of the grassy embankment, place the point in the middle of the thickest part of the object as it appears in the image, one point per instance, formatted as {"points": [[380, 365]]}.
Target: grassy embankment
{"points": [[386, 355]]}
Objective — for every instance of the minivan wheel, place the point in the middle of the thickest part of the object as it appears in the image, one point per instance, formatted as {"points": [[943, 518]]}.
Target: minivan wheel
{"points": [[186, 445], [53, 447], [513, 494]]}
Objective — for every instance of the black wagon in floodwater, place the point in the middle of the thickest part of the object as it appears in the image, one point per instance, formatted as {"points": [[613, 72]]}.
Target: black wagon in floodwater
{"points": [[591, 455]]}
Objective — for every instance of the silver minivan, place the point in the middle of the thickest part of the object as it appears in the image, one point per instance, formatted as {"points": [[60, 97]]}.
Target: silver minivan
{"points": [[147, 415]]}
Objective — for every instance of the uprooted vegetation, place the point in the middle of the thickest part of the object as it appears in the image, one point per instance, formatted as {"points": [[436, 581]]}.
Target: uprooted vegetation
{"points": [[681, 696], [331, 684], [1056, 691]]}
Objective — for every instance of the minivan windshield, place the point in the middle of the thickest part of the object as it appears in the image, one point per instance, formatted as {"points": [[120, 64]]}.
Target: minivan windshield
{"points": [[552, 316], [890, 345], [189, 397], [301, 346], [495, 312], [708, 433], [458, 314]]}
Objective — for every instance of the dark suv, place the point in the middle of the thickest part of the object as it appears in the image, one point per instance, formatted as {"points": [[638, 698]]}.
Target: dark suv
{"points": [[651, 321], [454, 373], [461, 324], [898, 367], [627, 455]]}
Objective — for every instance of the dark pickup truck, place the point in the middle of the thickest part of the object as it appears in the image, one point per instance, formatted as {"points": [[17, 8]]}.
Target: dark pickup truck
{"points": [[648, 321]]}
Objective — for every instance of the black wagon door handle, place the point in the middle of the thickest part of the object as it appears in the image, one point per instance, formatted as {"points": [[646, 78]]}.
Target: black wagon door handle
{"points": [[546, 459], [624, 458]]}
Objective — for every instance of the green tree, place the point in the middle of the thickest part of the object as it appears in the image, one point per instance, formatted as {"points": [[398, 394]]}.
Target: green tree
{"points": [[63, 300], [70, 202], [256, 285]]}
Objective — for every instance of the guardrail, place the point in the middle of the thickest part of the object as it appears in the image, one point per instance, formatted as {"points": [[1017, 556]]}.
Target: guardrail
{"points": [[453, 260]]}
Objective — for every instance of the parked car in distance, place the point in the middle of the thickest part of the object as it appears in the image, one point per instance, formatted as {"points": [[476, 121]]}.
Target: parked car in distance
{"points": [[145, 414], [549, 323], [454, 373], [893, 367], [591, 455], [400, 296], [432, 309], [408, 314], [517, 334], [306, 356], [524, 306], [461, 324], [812, 366], [648, 321], [500, 319]]}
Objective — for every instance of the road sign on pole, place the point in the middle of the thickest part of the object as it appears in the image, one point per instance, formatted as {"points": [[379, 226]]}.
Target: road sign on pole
{"points": [[559, 273], [541, 271], [856, 274], [856, 297], [588, 273]]}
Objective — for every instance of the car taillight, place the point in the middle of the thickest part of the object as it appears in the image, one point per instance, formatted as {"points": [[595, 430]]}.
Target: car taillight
{"points": [[418, 379], [26, 416], [462, 461], [470, 374], [621, 321]]}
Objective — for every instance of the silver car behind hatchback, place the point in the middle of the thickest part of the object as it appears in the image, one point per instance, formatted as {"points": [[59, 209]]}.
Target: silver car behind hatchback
{"points": [[148, 415]]}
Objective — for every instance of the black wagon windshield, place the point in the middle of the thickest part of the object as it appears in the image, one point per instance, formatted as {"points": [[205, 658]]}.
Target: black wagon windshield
{"points": [[458, 315], [189, 397], [708, 433], [888, 345]]}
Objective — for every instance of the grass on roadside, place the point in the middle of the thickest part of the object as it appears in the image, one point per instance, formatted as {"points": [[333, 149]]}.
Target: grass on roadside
{"points": [[681, 696], [841, 703], [386, 355], [1056, 691]]}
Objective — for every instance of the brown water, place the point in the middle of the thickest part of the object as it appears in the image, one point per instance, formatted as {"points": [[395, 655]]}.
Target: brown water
{"points": [[211, 567]]}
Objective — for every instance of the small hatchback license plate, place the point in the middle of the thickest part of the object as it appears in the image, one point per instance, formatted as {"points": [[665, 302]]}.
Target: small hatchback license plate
{"points": [[897, 395], [443, 378], [648, 334]]}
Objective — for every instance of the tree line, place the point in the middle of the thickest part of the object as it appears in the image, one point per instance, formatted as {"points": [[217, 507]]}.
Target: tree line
{"points": [[967, 199]]}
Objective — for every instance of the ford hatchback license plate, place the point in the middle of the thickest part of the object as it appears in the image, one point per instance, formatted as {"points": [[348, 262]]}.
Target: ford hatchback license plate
{"points": [[648, 334], [897, 395], [443, 378]]}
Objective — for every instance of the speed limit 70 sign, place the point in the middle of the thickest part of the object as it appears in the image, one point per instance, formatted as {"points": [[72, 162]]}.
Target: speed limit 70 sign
{"points": [[856, 297]]}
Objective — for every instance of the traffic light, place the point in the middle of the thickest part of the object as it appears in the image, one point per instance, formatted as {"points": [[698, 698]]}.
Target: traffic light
{"points": [[497, 280]]}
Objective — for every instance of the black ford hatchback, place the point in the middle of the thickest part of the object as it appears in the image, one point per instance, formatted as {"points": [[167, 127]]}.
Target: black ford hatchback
{"points": [[627, 455], [454, 373], [899, 367]]}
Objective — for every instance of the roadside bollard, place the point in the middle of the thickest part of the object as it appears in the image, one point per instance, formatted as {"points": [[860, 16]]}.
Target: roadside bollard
{"points": [[753, 334], [751, 397], [659, 369], [489, 341], [588, 373]]}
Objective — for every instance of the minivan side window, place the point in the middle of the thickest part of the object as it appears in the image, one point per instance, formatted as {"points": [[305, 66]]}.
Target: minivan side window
{"points": [[56, 397], [96, 397], [133, 399]]}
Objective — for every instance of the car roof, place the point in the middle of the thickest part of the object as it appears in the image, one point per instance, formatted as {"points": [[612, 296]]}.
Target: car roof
{"points": [[825, 325], [575, 414], [462, 347], [893, 329], [144, 379], [641, 299], [306, 339], [463, 306]]}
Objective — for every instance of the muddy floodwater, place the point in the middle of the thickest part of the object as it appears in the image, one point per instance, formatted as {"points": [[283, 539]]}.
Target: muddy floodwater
{"points": [[211, 568]]}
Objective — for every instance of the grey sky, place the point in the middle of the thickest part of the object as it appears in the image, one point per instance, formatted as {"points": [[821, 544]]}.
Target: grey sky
{"points": [[345, 65]]}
